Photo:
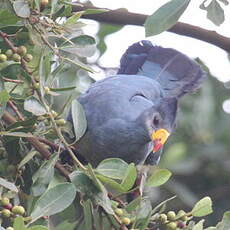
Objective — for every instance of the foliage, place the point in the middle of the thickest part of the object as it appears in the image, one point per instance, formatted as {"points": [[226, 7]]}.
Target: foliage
{"points": [[42, 69]]}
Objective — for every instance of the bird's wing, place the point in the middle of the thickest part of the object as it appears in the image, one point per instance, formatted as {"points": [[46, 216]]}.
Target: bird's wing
{"points": [[176, 73]]}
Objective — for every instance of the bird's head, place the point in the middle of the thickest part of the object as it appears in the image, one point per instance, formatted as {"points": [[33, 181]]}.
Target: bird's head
{"points": [[160, 121]]}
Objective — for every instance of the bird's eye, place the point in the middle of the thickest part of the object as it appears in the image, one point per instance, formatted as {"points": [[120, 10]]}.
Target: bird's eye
{"points": [[156, 120]]}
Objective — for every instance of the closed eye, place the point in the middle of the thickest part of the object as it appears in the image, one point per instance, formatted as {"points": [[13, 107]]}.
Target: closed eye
{"points": [[138, 95]]}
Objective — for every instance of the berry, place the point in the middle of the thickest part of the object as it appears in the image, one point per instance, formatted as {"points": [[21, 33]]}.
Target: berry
{"points": [[6, 213], [22, 50], [9, 228], [8, 206], [126, 221], [18, 210], [5, 201], [3, 58], [16, 57], [9, 53], [44, 3], [47, 90], [162, 218], [54, 113], [181, 225], [36, 85], [171, 226], [28, 57], [171, 215], [61, 122], [119, 211], [182, 215]]}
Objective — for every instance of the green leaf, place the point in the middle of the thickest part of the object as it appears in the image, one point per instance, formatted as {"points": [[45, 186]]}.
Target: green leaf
{"points": [[5, 64], [215, 13], [4, 97], [199, 225], [133, 204], [79, 119], [38, 227], [114, 168], [21, 8], [16, 134], [225, 2], [27, 158], [165, 17], [158, 177], [202, 207], [8, 185], [44, 175], [19, 223], [72, 20], [94, 11], [63, 89], [7, 18], [129, 177], [225, 222], [54, 200], [34, 106], [88, 217]]}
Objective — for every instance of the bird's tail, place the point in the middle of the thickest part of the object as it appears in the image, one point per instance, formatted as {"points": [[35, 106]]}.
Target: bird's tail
{"points": [[177, 73]]}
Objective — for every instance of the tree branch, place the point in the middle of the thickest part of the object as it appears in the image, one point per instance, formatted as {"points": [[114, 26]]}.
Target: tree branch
{"points": [[123, 17], [9, 119]]}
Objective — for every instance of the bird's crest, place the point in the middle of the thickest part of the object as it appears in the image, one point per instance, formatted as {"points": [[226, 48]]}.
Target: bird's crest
{"points": [[177, 73]]}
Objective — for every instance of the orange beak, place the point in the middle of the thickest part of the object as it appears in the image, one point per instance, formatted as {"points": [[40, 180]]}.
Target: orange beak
{"points": [[159, 138]]}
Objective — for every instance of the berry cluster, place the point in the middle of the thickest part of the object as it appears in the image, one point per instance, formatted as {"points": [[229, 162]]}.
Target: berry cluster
{"points": [[16, 55], [9, 211]]}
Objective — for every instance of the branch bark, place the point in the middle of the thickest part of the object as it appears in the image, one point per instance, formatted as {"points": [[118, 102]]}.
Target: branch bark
{"points": [[123, 17]]}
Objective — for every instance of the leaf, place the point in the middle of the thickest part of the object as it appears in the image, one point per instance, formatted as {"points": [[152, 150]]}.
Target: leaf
{"points": [[202, 207], [114, 168], [4, 97], [38, 227], [94, 11], [133, 204], [19, 223], [44, 175], [79, 64], [225, 2], [7, 18], [158, 177], [225, 222], [165, 17], [34, 106], [215, 13], [199, 225], [129, 177], [16, 134], [87, 209], [79, 119], [62, 89], [54, 200], [8, 185], [72, 20], [21, 8], [27, 158]]}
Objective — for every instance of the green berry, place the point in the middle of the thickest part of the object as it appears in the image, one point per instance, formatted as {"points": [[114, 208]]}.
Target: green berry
{"points": [[9, 53], [126, 220], [47, 90], [5, 201], [61, 122], [18, 210], [22, 50], [36, 85], [3, 58], [171, 215], [182, 215], [54, 113], [9, 228], [28, 57], [163, 218], [119, 211], [171, 226], [16, 57], [6, 212]]}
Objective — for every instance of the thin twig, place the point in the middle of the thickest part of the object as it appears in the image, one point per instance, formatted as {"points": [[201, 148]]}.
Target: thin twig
{"points": [[15, 109], [9, 119], [12, 80]]}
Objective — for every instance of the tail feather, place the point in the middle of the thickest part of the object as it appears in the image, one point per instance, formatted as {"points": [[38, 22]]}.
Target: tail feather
{"points": [[177, 73]]}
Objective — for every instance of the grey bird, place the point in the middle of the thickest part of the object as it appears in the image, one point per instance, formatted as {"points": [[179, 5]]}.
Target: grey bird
{"points": [[130, 115]]}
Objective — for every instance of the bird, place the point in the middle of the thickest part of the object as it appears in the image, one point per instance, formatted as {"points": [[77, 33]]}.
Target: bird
{"points": [[131, 114]]}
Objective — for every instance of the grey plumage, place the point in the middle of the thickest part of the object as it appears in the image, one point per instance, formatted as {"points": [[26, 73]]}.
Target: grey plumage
{"points": [[122, 111]]}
